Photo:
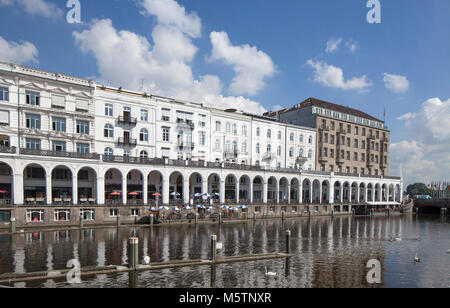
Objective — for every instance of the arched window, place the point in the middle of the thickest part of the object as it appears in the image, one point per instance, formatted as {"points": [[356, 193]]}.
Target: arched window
{"points": [[258, 148], [269, 134], [143, 154], [258, 131], [109, 152], [279, 150], [234, 148], [143, 135], [244, 130], [257, 163], [310, 140], [301, 138], [228, 127], [227, 146], [291, 152], [244, 147], [217, 144], [310, 154], [292, 137], [234, 129], [269, 148], [109, 131], [279, 135], [301, 153]]}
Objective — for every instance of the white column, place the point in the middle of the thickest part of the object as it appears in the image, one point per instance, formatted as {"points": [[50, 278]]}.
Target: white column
{"points": [[238, 185], [350, 190], [289, 192], [331, 193], [222, 191], [204, 186], [265, 190], [145, 189], [311, 192], [165, 190], [365, 193], [277, 194], [320, 193], [17, 189], [250, 191], [75, 190], [48, 187], [100, 190], [186, 196], [341, 193], [300, 193], [124, 189]]}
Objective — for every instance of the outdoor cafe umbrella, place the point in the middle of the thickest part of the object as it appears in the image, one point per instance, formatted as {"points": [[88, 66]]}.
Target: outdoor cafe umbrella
{"points": [[200, 206], [175, 209], [164, 208], [116, 193], [174, 193], [196, 195], [153, 209], [211, 208], [243, 207], [134, 193], [224, 207], [187, 207], [234, 209]]}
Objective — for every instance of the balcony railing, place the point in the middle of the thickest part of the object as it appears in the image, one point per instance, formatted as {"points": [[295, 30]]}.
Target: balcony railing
{"points": [[59, 154], [127, 141], [186, 145], [185, 124], [127, 120], [11, 150], [231, 154]]}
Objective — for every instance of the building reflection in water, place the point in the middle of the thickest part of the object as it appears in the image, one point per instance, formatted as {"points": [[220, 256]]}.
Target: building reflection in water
{"points": [[328, 252]]}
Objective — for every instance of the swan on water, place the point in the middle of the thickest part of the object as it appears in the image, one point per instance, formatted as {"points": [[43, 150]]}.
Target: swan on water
{"points": [[416, 258], [146, 260], [270, 274]]}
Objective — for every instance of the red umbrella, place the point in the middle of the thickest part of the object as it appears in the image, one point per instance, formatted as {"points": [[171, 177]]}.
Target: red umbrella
{"points": [[3, 192], [133, 193], [116, 193], [156, 194]]}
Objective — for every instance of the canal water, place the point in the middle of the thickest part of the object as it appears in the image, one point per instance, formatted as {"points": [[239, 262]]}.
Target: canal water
{"points": [[328, 252]]}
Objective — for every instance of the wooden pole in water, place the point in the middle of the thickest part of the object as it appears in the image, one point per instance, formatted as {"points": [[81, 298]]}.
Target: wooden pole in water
{"points": [[254, 216], [81, 222], [133, 252], [288, 241], [151, 218], [195, 218], [12, 225], [283, 215], [213, 247], [220, 218], [118, 220]]}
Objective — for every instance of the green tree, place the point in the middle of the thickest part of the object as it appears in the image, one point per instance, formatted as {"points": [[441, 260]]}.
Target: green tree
{"points": [[418, 189]]}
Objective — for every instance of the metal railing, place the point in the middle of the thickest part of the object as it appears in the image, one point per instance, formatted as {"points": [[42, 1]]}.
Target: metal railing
{"points": [[11, 150], [59, 154], [127, 141], [127, 120]]}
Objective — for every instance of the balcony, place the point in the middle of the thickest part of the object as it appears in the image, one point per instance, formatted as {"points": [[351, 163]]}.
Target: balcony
{"points": [[341, 131], [324, 128], [127, 120], [127, 142], [186, 145], [187, 124], [231, 154], [269, 156], [10, 150], [59, 154], [302, 159]]}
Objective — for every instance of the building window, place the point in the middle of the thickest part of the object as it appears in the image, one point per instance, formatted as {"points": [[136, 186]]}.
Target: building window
{"points": [[202, 120], [35, 215], [87, 214], [291, 152], [82, 127], [62, 215], [58, 102], [269, 148], [143, 154], [228, 127], [109, 152], [244, 147], [127, 153], [258, 131], [135, 212], [310, 154], [244, 130], [234, 129], [144, 115], [279, 135], [59, 146], [109, 110], [4, 94], [279, 151], [33, 98], [292, 137], [82, 148], [301, 138], [108, 131], [33, 121], [258, 148], [143, 135], [113, 212], [59, 124], [217, 144], [218, 126], [166, 134], [269, 134], [202, 138], [310, 140], [33, 144]]}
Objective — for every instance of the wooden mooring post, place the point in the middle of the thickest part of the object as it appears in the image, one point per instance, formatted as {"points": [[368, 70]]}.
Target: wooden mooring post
{"points": [[288, 241], [12, 225], [133, 252]]}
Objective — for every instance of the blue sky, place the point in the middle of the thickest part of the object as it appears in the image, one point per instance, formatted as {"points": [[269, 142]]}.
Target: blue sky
{"points": [[258, 55]]}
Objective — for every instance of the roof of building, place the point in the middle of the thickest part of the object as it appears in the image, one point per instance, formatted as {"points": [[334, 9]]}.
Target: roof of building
{"points": [[324, 104]]}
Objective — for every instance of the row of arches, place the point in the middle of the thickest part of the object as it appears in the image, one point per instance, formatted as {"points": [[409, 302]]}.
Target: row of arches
{"points": [[62, 185]]}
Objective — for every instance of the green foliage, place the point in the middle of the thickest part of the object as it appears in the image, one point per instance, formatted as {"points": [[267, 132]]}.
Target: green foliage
{"points": [[418, 189]]}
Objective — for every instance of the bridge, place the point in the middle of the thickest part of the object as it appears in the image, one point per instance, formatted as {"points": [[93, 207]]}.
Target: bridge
{"points": [[434, 206]]}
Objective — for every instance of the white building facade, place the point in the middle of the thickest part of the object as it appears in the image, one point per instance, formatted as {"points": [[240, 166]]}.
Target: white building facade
{"points": [[66, 141]]}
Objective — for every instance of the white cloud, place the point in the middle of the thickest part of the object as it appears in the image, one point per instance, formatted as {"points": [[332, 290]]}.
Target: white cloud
{"points": [[170, 13], [332, 76], [36, 7], [426, 155], [19, 53], [396, 83], [351, 45], [124, 58], [251, 65], [333, 45]]}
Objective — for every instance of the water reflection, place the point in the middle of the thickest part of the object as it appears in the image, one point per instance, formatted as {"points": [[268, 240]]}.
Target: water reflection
{"points": [[328, 252]]}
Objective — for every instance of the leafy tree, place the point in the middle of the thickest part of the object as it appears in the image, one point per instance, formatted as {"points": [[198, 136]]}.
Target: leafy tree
{"points": [[418, 189]]}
